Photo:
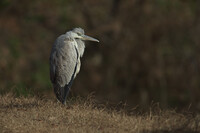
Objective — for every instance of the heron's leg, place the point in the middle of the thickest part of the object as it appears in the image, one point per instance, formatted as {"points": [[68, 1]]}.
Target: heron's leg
{"points": [[58, 101], [66, 92]]}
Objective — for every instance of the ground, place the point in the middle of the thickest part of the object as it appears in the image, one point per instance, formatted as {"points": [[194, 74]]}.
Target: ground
{"points": [[35, 114]]}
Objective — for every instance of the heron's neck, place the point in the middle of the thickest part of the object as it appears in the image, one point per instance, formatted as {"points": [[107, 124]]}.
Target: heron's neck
{"points": [[81, 46]]}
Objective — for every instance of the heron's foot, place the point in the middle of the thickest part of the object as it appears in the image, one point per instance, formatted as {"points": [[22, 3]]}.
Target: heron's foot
{"points": [[64, 103], [58, 101]]}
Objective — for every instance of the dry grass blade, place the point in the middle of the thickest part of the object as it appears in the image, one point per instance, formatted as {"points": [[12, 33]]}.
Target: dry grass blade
{"points": [[39, 115]]}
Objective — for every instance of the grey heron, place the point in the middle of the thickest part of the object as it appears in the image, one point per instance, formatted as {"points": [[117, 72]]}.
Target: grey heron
{"points": [[65, 60]]}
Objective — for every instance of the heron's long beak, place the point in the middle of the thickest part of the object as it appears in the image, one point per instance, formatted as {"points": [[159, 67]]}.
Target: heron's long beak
{"points": [[88, 38]]}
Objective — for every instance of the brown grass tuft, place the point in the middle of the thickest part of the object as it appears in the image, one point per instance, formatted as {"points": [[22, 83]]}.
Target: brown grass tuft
{"points": [[45, 115]]}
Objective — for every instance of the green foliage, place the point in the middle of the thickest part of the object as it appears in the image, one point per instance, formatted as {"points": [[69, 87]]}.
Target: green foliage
{"points": [[21, 90], [14, 47], [4, 4], [41, 76]]}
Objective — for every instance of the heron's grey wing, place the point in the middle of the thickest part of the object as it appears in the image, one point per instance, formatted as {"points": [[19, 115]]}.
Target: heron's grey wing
{"points": [[63, 61]]}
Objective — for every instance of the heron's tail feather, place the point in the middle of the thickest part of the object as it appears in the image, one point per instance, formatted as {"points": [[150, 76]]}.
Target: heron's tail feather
{"points": [[61, 92]]}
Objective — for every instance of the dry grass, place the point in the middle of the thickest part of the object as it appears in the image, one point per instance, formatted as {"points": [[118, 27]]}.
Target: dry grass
{"points": [[40, 115]]}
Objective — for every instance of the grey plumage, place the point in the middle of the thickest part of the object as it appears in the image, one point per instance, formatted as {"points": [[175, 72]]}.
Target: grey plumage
{"points": [[65, 61]]}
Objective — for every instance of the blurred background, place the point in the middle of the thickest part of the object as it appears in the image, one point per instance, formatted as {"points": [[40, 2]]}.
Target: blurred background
{"points": [[148, 50]]}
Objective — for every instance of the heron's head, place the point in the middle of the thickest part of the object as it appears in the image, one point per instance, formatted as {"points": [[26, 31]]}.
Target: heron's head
{"points": [[78, 33]]}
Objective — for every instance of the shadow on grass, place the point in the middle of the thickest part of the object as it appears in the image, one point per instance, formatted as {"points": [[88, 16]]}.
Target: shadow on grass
{"points": [[20, 106]]}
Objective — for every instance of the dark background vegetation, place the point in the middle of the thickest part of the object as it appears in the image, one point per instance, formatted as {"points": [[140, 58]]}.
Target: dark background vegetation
{"points": [[148, 50]]}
